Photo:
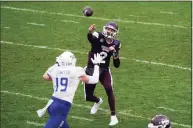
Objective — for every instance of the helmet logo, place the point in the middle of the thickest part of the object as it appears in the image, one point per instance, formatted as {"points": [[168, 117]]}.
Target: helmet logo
{"points": [[165, 122]]}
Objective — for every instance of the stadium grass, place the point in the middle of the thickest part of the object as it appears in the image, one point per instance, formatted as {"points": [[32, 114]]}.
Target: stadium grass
{"points": [[139, 88]]}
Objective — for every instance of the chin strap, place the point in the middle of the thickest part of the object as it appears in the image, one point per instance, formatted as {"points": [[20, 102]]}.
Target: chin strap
{"points": [[109, 42]]}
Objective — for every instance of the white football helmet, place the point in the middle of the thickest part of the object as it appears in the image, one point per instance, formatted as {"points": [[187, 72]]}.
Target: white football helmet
{"points": [[110, 30], [66, 59]]}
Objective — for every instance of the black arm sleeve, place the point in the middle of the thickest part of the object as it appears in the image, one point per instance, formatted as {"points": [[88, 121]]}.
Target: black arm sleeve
{"points": [[116, 62], [90, 37]]}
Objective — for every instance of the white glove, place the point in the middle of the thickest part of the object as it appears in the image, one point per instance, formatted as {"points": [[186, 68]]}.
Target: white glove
{"points": [[97, 59]]}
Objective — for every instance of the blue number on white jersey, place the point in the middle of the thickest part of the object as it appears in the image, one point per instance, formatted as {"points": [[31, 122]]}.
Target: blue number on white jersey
{"points": [[61, 84]]}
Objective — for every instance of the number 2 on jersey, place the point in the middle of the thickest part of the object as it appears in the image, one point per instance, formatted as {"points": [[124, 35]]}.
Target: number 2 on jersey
{"points": [[103, 56], [61, 84]]}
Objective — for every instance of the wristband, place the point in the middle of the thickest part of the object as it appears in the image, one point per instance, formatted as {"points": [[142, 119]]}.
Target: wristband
{"points": [[115, 54], [97, 64]]}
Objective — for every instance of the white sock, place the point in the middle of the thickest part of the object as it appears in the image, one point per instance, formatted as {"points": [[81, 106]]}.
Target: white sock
{"points": [[113, 117]]}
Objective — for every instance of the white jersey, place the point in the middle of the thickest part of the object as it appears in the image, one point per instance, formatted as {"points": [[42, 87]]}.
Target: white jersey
{"points": [[65, 81]]}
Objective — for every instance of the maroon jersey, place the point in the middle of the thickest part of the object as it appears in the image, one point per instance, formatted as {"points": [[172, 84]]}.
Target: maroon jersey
{"points": [[99, 45]]}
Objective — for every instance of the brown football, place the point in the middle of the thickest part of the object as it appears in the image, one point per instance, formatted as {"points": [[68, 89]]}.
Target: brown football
{"points": [[87, 11]]}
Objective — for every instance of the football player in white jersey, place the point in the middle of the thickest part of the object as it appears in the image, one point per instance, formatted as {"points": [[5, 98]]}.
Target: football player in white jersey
{"points": [[65, 76]]}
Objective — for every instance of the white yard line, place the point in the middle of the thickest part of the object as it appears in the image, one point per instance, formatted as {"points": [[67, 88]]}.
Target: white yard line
{"points": [[73, 117], [171, 13], [36, 24], [70, 21], [97, 18], [6, 27], [75, 51], [34, 123], [173, 110], [46, 99], [81, 118], [170, 109], [163, 64]]}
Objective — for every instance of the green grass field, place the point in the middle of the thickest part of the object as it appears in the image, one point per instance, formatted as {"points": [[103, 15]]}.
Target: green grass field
{"points": [[154, 76]]}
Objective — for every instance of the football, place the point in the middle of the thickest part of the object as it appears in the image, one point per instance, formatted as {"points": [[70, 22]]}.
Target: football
{"points": [[87, 11]]}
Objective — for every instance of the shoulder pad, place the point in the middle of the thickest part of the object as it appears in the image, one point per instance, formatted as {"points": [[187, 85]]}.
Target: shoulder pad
{"points": [[95, 34], [79, 71], [116, 42]]}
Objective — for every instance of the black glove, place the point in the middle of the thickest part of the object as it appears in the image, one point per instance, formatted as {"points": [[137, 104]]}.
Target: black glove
{"points": [[115, 54]]}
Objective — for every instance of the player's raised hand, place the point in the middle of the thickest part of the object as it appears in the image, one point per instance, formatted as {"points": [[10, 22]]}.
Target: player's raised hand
{"points": [[97, 59], [91, 28]]}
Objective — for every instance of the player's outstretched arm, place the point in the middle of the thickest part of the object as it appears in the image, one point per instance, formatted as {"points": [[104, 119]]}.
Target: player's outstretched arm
{"points": [[95, 77], [91, 79], [47, 77], [92, 34]]}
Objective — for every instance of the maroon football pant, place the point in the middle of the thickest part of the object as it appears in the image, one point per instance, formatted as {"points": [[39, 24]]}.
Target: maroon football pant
{"points": [[106, 80]]}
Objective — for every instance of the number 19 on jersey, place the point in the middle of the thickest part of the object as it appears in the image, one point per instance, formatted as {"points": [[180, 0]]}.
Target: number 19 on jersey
{"points": [[61, 84]]}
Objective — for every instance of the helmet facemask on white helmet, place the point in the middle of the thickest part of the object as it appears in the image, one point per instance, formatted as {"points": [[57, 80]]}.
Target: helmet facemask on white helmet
{"points": [[66, 59], [109, 32]]}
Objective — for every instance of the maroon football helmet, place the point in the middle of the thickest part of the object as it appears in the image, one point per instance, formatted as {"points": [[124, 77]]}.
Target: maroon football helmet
{"points": [[160, 121]]}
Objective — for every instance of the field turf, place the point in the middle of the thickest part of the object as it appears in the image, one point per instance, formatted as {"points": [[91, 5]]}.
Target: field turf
{"points": [[154, 76]]}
